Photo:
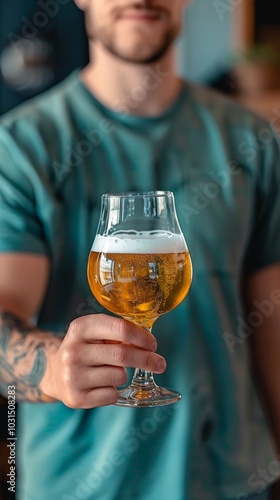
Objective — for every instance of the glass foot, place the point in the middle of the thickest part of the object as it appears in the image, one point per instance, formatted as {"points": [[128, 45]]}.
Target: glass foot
{"points": [[141, 397]]}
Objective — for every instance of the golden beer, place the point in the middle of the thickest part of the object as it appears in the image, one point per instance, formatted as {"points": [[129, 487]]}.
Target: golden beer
{"points": [[139, 286]]}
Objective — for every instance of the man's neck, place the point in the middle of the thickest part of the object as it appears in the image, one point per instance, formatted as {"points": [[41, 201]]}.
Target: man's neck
{"points": [[145, 90]]}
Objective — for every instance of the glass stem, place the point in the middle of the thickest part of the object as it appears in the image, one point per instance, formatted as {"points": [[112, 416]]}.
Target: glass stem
{"points": [[142, 379]]}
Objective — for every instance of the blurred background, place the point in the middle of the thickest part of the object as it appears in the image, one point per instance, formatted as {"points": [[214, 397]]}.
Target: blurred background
{"points": [[41, 42], [234, 49]]}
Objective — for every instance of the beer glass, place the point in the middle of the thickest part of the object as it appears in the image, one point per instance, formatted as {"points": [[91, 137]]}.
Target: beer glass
{"points": [[139, 268]]}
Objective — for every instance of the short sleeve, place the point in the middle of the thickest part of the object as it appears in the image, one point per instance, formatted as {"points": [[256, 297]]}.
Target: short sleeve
{"points": [[20, 227], [264, 244]]}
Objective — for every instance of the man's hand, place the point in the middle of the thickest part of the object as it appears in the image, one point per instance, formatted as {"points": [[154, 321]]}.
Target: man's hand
{"points": [[90, 362]]}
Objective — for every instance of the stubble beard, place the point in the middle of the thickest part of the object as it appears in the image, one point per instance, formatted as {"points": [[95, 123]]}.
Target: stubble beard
{"points": [[107, 41]]}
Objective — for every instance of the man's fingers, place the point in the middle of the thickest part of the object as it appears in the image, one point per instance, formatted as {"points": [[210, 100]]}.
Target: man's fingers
{"points": [[122, 355], [103, 376], [101, 397], [96, 327], [93, 398]]}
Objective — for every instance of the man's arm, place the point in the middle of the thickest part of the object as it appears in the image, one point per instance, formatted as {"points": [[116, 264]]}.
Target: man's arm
{"points": [[262, 293], [23, 348], [23, 357], [84, 369]]}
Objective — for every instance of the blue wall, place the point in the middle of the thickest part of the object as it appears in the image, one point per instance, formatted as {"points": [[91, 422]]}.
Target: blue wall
{"points": [[205, 45]]}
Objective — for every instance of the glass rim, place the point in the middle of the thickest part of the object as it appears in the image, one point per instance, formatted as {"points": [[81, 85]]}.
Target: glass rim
{"points": [[144, 194]]}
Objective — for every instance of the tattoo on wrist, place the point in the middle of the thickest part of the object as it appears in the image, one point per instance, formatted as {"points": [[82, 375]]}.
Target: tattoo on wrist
{"points": [[23, 359]]}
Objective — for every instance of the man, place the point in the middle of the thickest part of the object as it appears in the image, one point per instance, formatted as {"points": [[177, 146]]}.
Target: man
{"points": [[128, 122]]}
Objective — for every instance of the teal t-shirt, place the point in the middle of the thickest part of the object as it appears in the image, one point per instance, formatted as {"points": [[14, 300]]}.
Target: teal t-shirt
{"points": [[58, 154]]}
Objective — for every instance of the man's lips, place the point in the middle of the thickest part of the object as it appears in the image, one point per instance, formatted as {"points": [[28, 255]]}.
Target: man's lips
{"points": [[142, 15]]}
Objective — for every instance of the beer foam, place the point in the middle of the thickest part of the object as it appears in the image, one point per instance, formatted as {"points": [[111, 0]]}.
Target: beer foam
{"points": [[142, 243]]}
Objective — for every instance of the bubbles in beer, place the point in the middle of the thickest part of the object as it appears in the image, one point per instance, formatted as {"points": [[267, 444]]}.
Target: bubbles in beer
{"points": [[140, 275]]}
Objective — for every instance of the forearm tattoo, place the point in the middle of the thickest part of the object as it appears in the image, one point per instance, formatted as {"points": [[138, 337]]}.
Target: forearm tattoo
{"points": [[23, 358]]}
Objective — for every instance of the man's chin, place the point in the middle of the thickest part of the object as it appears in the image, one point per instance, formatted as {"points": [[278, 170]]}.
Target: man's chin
{"points": [[138, 57], [132, 59]]}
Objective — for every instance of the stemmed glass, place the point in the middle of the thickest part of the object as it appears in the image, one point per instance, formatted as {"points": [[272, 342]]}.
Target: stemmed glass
{"points": [[139, 268]]}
